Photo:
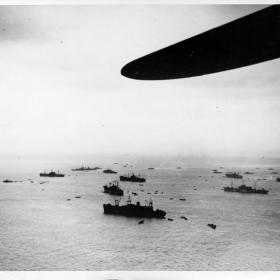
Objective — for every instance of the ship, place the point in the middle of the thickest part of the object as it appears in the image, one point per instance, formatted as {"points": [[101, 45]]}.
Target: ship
{"points": [[132, 178], [234, 175], [51, 174], [109, 171], [83, 168], [245, 189], [133, 210], [8, 181], [113, 188]]}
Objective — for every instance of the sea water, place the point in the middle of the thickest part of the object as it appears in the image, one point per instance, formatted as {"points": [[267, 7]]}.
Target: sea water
{"points": [[40, 229]]}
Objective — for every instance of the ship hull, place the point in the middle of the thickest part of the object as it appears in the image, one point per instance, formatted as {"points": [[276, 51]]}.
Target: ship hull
{"points": [[244, 191], [133, 211], [113, 192], [135, 180], [47, 175]]}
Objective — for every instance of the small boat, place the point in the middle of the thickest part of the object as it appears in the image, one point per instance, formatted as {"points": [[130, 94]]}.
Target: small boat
{"points": [[78, 196], [277, 179], [212, 226], [141, 222], [216, 171], [183, 217], [169, 219], [182, 199]]}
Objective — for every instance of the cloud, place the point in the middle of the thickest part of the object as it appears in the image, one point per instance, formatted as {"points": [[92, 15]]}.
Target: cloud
{"points": [[15, 24]]}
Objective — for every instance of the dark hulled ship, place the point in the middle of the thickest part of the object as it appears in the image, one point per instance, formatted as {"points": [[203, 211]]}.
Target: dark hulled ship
{"points": [[133, 210], [109, 171], [83, 168], [132, 178], [113, 188], [245, 189], [51, 174], [234, 175]]}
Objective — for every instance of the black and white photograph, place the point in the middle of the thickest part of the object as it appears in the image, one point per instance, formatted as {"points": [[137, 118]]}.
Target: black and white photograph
{"points": [[139, 137]]}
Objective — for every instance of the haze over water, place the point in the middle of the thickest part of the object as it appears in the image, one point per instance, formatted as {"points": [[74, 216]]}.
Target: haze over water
{"points": [[41, 230]]}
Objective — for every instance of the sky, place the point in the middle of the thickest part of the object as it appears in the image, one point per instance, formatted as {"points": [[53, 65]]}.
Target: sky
{"points": [[62, 92]]}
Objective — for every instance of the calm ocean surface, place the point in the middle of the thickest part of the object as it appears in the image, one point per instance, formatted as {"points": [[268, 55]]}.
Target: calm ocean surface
{"points": [[41, 230]]}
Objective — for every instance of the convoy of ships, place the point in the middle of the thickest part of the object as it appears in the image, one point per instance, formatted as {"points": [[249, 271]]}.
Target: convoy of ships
{"points": [[147, 211]]}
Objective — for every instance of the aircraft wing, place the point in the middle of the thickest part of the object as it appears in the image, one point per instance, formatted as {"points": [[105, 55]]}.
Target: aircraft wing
{"points": [[248, 40]]}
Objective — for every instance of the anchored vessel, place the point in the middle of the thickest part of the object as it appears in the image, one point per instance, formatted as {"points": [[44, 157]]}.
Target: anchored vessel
{"points": [[234, 175], [83, 168], [132, 178], [133, 210], [8, 181], [113, 188], [245, 189], [109, 171], [51, 174]]}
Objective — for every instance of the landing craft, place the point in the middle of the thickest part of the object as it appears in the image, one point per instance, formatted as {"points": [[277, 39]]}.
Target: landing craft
{"points": [[252, 39]]}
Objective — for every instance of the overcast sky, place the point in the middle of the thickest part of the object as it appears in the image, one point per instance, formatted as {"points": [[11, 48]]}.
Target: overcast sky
{"points": [[62, 92]]}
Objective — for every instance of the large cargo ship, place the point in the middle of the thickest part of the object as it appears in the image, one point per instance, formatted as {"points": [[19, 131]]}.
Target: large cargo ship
{"points": [[133, 210]]}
